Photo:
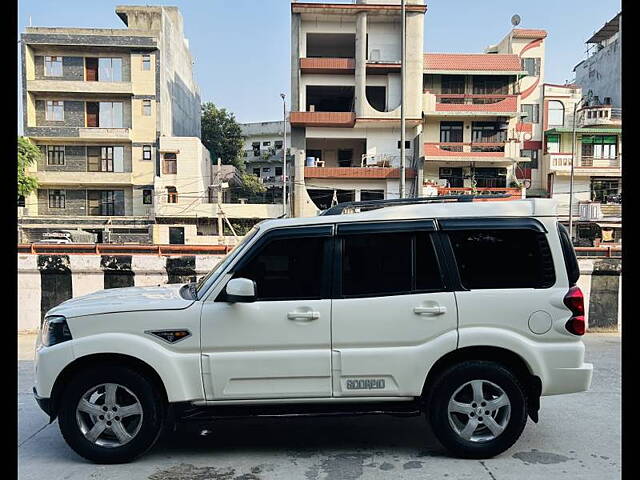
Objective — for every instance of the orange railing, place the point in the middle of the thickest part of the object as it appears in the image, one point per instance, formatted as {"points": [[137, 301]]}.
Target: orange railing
{"points": [[121, 249]]}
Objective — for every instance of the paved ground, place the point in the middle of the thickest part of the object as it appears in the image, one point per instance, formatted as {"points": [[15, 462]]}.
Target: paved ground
{"points": [[578, 437]]}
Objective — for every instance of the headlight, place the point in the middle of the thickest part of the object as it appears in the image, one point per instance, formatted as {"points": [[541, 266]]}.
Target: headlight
{"points": [[55, 330]]}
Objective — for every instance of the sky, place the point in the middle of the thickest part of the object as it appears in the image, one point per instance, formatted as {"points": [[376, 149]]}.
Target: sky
{"points": [[242, 47]]}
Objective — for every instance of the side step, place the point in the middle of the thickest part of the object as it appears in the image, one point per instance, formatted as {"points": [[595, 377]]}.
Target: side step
{"points": [[188, 412]]}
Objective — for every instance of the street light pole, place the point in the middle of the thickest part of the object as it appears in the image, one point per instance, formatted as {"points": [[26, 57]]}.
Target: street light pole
{"points": [[403, 85], [573, 148], [284, 155]]}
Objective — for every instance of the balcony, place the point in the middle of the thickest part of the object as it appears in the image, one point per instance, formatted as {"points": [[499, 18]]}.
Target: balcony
{"points": [[357, 172], [514, 193], [264, 155], [600, 116], [462, 104], [473, 151], [561, 163], [73, 86], [78, 179], [89, 134], [595, 211], [328, 65], [322, 119]]}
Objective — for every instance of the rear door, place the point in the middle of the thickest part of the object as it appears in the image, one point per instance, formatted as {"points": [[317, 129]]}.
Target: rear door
{"points": [[393, 313]]}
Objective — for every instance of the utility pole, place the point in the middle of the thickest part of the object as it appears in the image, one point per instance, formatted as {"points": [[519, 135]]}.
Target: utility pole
{"points": [[218, 186], [403, 85], [284, 155]]}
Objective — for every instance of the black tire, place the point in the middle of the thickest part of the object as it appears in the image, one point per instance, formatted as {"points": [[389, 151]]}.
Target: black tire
{"points": [[153, 408], [449, 381]]}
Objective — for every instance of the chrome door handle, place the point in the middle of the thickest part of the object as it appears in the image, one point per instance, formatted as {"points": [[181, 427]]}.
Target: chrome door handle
{"points": [[303, 315], [437, 310]]}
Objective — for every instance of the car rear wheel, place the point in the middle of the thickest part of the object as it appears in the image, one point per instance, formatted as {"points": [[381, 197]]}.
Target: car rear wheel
{"points": [[477, 409], [111, 414]]}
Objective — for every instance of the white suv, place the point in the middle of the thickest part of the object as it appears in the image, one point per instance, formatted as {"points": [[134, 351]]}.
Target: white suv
{"points": [[466, 312]]}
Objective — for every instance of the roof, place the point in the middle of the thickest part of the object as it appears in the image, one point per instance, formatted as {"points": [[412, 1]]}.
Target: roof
{"points": [[531, 207], [472, 62], [607, 31], [528, 33]]}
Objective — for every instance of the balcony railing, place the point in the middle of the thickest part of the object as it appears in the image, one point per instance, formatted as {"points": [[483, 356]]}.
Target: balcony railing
{"points": [[464, 149], [327, 65], [562, 161], [322, 119], [459, 102], [357, 172]]}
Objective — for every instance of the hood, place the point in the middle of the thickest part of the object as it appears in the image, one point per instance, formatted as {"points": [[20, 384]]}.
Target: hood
{"points": [[130, 299]]}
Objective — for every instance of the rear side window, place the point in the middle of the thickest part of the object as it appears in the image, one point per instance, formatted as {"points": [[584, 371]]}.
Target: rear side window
{"points": [[503, 258], [287, 269], [389, 264], [569, 254]]}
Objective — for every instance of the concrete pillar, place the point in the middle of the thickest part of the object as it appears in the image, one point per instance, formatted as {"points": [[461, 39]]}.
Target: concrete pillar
{"points": [[361, 64], [295, 62], [86, 274], [28, 293]]}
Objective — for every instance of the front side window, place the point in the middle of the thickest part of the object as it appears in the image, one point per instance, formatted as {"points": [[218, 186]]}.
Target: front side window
{"points": [[146, 152], [57, 198], [172, 195], [451, 132], [532, 66], [452, 84], [382, 264], [105, 159], [556, 113], [52, 66], [553, 143], [104, 202], [55, 155], [599, 146], [147, 197], [287, 269], [55, 110], [146, 62], [509, 258], [533, 155]]}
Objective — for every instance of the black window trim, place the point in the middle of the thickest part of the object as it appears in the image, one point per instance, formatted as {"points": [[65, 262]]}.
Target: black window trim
{"points": [[497, 223], [287, 233], [385, 227]]}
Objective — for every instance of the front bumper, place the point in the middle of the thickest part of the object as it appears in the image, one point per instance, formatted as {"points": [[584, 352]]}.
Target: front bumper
{"points": [[43, 403]]}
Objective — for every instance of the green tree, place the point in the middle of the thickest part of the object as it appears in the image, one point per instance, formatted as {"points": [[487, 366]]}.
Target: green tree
{"points": [[222, 136], [28, 154], [252, 185]]}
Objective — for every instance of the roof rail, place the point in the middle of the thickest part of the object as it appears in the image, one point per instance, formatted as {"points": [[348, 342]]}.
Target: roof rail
{"points": [[391, 202]]}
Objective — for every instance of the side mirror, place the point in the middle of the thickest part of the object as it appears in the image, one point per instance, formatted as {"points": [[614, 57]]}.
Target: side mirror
{"points": [[241, 290]]}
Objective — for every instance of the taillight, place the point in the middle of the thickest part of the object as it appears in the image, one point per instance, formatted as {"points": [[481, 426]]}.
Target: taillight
{"points": [[575, 301]]}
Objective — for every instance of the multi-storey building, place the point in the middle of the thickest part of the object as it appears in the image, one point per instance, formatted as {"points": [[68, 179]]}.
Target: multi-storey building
{"points": [[98, 102], [472, 120]]}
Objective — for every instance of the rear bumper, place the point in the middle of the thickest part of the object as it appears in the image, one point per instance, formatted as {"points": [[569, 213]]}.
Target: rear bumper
{"points": [[569, 380], [43, 403]]}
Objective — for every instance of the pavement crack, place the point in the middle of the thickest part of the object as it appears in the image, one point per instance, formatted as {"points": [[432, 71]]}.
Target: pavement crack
{"points": [[487, 470], [33, 435]]}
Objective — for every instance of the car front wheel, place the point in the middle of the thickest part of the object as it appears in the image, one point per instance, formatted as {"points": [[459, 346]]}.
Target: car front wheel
{"points": [[111, 414], [477, 409]]}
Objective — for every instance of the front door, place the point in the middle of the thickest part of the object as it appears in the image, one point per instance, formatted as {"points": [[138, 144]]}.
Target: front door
{"points": [[280, 345], [393, 314]]}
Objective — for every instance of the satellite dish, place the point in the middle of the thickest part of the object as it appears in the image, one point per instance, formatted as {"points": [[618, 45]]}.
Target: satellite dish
{"points": [[515, 20]]}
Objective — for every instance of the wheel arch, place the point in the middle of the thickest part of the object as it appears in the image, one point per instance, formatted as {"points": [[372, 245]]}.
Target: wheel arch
{"points": [[88, 361], [503, 356]]}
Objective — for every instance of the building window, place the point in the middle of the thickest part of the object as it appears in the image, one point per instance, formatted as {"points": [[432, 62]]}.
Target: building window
{"points": [[256, 149], [488, 177], [488, 132], [176, 235], [147, 197], [146, 62], [57, 198], [606, 190], [170, 164], [146, 108], [452, 84], [533, 155], [52, 66], [278, 171], [407, 144], [491, 84], [533, 113], [532, 66], [172, 195], [599, 146], [109, 69], [481, 255], [266, 169], [451, 132], [106, 115], [55, 155], [278, 144], [105, 159], [553, 143], [556, 113], [55, 110], [266, 144], [103, 202], [256, 172], [146, 152]]}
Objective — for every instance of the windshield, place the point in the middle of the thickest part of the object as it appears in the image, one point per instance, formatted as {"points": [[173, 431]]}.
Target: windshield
{"points": [[210, 277]]}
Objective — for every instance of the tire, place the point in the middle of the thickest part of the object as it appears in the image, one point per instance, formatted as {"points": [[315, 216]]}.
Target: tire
{"points": [[124, 438], [453, 422]]}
